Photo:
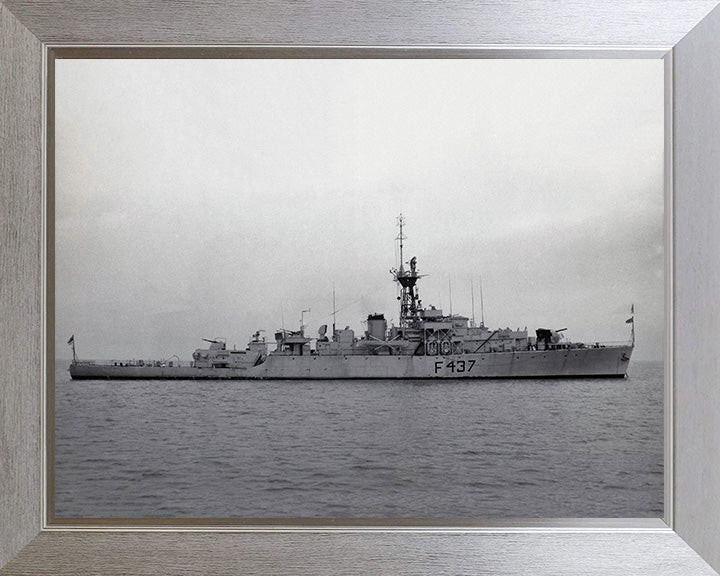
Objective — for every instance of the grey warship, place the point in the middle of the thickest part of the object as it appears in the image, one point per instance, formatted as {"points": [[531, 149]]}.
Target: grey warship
{"points": [[426, 344]]}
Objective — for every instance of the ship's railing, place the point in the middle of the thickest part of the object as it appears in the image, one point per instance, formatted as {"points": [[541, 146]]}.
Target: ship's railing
{"points": [[607, 344], [562, 345], [138, 363], [492, 348]]}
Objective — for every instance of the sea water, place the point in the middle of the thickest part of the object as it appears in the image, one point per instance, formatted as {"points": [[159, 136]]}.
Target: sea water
{"points": [[360, 448]]}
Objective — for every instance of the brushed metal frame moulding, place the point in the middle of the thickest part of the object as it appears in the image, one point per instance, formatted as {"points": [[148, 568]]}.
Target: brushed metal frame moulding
{"points": [[689, 30]]}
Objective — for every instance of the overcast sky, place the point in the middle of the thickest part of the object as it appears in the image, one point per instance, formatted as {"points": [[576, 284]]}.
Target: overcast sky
{"points": [[211, 198]]}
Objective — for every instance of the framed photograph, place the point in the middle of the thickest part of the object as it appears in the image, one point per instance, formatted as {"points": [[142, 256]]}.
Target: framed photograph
{"points": [[342, 213], [135, 137]]}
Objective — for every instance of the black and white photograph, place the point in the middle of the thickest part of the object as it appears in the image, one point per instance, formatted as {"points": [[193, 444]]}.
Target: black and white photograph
{"points": [[358, 289]]}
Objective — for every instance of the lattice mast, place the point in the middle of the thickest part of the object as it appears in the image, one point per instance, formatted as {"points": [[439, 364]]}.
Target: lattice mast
{"points": [[407, 279]]}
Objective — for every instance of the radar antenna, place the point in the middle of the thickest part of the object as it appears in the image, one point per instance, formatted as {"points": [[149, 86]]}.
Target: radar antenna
{"points": [[409, 301]]}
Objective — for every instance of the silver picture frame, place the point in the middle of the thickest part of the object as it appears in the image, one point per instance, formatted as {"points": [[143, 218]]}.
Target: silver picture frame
{"points": [[685, 34]]}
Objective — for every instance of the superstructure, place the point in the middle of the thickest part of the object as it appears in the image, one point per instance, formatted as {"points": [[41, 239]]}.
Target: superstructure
{"points": [[426, 343]]}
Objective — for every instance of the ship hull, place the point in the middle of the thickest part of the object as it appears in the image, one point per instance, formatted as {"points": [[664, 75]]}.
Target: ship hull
{"points": [[611, 361]]}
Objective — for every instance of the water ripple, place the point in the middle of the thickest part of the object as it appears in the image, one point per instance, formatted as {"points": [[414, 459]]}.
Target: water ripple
{"points": [[453, 449]]}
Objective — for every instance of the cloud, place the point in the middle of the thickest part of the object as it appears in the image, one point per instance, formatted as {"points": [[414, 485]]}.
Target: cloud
{"points": [[204, 198]]}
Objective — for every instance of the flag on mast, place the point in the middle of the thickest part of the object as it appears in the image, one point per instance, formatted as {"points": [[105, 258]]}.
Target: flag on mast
{"points": [[631, 320], [71, 342]]}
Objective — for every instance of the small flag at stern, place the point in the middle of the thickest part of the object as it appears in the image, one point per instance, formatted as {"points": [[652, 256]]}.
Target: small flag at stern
{"points": [[72, 339]]}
